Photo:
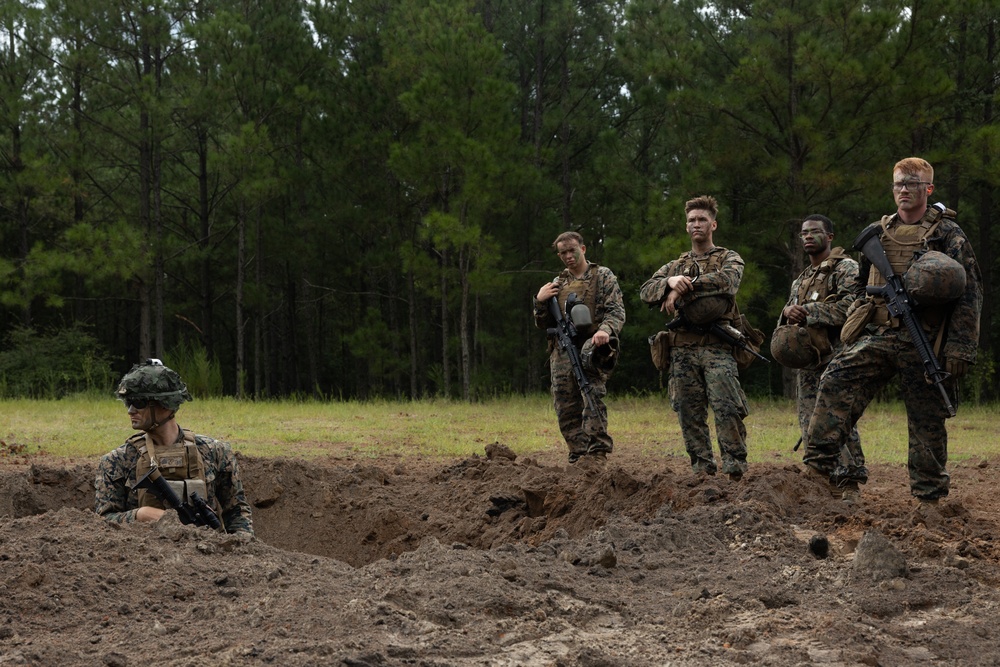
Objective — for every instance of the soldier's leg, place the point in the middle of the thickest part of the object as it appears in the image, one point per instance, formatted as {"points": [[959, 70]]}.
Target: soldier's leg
{"points": [[928, 435], [846, 387], [688, 399], [806, 388], [595, 426], [729, 405], [568, 403]]}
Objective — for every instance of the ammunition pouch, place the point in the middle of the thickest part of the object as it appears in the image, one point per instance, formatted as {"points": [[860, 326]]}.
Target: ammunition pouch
{"points": [[659, 350], [861, 314]]}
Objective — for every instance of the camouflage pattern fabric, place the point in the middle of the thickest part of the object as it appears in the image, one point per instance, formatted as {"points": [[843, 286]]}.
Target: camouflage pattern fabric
{"points": [[584, 433], [703, 377], [859, 371], [723, 282], [116, 475], [829, 310]]}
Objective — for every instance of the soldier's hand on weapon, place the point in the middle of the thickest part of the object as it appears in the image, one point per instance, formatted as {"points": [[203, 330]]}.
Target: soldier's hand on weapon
{"points": [[795, 314], [681, 284], [956, 367], [147, 513], [547, 291], [601, 338], [669, 304]]}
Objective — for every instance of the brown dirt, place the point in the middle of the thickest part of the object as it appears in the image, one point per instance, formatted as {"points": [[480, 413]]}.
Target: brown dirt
{"points": [[504, 562]]}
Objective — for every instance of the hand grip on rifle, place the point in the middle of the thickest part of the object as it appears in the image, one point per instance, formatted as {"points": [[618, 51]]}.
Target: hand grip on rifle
{"points": [[200, 514]]}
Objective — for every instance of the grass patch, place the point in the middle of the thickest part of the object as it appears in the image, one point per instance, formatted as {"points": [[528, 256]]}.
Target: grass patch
{"points": [[86, 427]]}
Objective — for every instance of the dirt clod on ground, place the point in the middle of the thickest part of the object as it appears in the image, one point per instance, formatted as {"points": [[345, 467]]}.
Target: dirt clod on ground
{"points": [[503, 560]]}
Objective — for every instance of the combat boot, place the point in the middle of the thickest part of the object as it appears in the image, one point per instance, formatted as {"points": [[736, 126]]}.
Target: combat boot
{"points": [[850, 493]]}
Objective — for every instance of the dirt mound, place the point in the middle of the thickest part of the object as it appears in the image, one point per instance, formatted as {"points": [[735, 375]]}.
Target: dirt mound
{"points": [[504, 560]]}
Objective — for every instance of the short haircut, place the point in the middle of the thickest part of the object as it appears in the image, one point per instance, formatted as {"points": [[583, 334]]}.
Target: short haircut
{"points": [[567, 236], [827, 222], [705, 203], [915, 166]]}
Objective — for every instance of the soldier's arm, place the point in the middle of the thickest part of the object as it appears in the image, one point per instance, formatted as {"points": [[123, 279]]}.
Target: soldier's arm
{"points": [[111, 498], [655, 290], [227, 487], [610, 304], [962, 338]]}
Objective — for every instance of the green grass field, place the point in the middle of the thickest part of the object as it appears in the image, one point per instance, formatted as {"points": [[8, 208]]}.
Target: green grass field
{"points": [[88, 427]]}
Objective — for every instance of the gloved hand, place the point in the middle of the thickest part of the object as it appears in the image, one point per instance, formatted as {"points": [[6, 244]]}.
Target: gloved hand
{"points": [[956, 367]]}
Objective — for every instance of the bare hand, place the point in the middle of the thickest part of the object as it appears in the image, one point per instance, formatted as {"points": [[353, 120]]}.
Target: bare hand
{"points": [[795, 314], [601, 338], [149, 514], [547, 291], [669, 304], [681, 284]]}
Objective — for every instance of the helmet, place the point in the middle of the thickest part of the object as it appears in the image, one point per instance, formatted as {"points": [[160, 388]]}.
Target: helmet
{"points": [[152, 380], [793, 346], [706, 309], [601, 359], [934, 278]]}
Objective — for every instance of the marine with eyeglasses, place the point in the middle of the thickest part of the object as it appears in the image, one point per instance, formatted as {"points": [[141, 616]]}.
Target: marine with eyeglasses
{"points": [[191, 463], [924, 245]]}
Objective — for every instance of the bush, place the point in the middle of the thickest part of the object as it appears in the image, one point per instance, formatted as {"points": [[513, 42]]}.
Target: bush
{"points": [[53, 365]]}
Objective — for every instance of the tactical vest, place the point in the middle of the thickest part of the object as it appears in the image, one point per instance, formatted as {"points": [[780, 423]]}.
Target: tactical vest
{"points": [[586, 293], [902, 243], [690, 265], [180, 464], [817, 287]]}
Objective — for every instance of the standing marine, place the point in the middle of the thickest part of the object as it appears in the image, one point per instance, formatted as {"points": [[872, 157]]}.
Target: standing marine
{"points": [[701, 287], [582, 422], [808, 332], [925, 246]]}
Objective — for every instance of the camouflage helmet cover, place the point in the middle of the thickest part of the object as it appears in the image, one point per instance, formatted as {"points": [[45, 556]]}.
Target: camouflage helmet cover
{"points": [[793, 346], [152, 380], [934, 278], [705, 310], [601, 359]]}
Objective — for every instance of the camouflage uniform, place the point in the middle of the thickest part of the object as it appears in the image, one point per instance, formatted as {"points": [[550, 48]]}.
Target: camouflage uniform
{"points": [[703, 371], [116, 475], [884, 349], [584, 432], [826, 292]]}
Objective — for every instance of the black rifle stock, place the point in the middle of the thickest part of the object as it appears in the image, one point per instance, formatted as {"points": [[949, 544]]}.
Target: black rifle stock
{"points": [[726, 333], [199, 514], [565, 333], [900, 305]]}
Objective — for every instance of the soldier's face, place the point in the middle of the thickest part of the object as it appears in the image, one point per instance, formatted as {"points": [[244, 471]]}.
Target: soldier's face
{"points": [[911, 190], [815, 239], [143, 418], [700, 224], [571, 253]]}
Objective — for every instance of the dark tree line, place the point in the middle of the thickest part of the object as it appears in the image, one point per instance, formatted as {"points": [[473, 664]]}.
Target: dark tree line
{"points": [[356, 199]]}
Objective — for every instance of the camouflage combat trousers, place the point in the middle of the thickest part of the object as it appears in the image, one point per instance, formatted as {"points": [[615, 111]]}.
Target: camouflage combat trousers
{"points": [[807, 390], [584, 432], [703, 377], [849, 384]]}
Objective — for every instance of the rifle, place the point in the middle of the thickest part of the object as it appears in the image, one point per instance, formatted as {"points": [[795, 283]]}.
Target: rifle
{"points": [[198, 513], [900, 305], [566, 335], [725, 332]]}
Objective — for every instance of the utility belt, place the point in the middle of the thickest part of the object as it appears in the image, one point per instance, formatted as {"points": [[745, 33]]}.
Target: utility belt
{"points": [[930, 318], [679, 338]]}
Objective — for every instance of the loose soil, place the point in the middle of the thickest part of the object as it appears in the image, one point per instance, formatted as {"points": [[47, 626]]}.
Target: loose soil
{"points": [[499, 561]]}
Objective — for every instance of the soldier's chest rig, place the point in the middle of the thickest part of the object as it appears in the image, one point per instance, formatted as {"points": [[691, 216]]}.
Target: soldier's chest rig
{"points": [[585, 289], [904, 243], [818, 284], [693, 266], [180, 464]]}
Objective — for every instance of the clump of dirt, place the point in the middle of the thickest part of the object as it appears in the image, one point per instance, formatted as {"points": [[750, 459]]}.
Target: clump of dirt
{"points": [[504, 560]]}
